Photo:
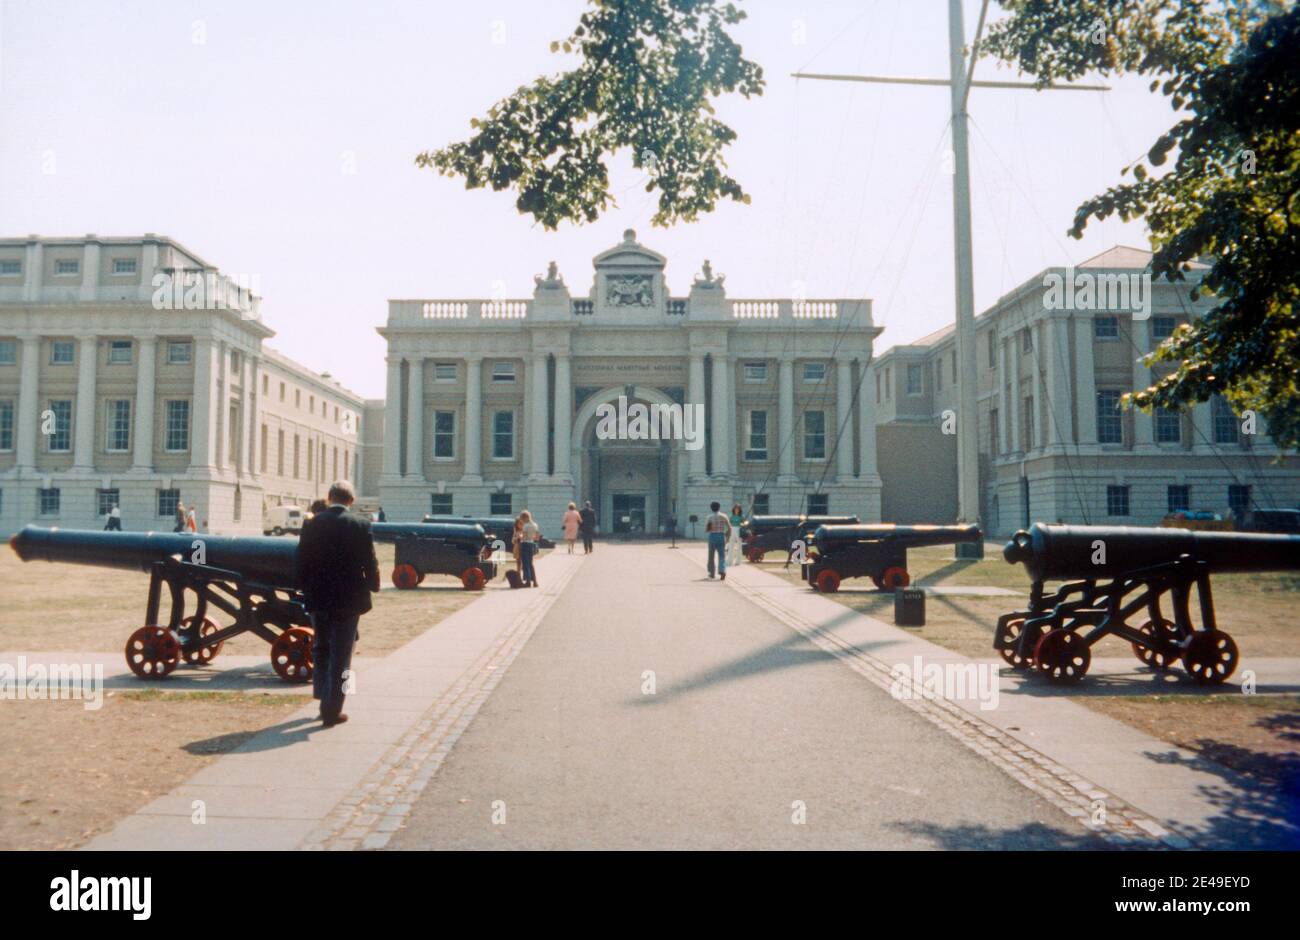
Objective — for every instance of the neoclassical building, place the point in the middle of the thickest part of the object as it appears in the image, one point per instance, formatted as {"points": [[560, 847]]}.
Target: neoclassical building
{"points": [[492, 405]]}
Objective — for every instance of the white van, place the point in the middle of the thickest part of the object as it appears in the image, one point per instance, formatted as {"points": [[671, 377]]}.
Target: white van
{"points": [[281, 519]]}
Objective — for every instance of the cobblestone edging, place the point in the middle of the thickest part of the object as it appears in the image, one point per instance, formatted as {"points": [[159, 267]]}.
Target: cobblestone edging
{"points": [[1124, 826], [368, 817]]}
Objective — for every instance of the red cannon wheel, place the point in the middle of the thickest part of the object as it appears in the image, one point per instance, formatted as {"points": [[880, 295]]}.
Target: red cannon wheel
{"points": [[206, 654], [1163, 651], [473, 579], [405, 577], [1211, 656], [152, 652], [1008, 641], [895, 578], [828, 580], [291, 654], [1062, 655]]}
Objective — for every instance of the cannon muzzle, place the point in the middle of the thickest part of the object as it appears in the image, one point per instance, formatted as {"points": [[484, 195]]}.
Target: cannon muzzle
{"points": [[1068, 552], [910, 536]]}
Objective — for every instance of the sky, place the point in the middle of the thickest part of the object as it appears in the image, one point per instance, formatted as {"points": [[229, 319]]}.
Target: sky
{"points": [[277, 140]]}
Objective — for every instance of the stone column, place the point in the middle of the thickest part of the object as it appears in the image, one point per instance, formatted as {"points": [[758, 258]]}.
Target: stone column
{"points": [[1085, 380], [473, 419], [843, 427], [563, 414], [1004, 410], [1203, 424], [1016, 420], [224, 459], [252, 413], [28, 404], [83, 454], [90, 270], [393, 420], [867, 469], [785, 439], [723, 406], [33, 270], [415, 419], [1039, 359], [145, 370], [1143, 423], [538, 414], [695, 396], [202, 427], [1056, 332]]}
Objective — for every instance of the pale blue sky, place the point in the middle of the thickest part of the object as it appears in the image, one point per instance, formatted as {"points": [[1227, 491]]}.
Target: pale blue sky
{"points": [[239, 148]]}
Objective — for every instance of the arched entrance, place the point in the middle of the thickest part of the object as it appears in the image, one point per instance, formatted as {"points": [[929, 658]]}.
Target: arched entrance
{"points": [[632, 483]]}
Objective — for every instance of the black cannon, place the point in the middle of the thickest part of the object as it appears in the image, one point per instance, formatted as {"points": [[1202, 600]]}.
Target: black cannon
{"points": [[464, 551], [252, 580], [879, 552], [762, 534], [1114, 574], [498, 528]]}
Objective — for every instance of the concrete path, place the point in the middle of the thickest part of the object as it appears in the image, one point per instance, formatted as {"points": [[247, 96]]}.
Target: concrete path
{"points": [[655, 709]]}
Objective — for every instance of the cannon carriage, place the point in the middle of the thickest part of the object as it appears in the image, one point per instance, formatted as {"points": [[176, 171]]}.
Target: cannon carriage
{"points": [[878, 552], [421, 549], [762, 534], [1114, 576], [251, 580]]}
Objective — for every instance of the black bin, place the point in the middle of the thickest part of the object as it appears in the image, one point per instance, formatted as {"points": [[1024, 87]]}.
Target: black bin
{"points": [[909, 607]]}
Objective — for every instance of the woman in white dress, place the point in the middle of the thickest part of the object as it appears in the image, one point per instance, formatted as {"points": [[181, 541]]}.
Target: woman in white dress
{"points": [[733, 541]]}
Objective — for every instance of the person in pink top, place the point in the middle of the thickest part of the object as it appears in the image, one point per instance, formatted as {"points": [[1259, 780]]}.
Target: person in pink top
{"points": [[572, 519]]}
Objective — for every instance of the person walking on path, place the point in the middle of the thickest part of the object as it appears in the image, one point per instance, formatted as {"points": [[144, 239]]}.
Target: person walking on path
{"points": [[733, 537], [338, 571], [529, 533], [516, 546], [572, 522], [716, 529], [180, 517], [191, 522], [588, 526], [114, 523]]}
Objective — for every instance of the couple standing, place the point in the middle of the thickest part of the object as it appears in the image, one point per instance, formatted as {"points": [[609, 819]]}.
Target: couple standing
{"points": [[580, 523], [723, 533]]}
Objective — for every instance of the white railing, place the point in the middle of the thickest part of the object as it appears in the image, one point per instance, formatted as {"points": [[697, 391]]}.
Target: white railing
{"points": [[793, 309], [756, 309], [503, 309], [815, 310], [445, 310]]}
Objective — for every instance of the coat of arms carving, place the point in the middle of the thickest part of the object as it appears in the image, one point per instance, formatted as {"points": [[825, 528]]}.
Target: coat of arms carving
{"points": [[629, 290]]}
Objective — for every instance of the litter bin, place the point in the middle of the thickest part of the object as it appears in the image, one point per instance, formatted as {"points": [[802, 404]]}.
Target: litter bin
{"points": [[909, 607]]}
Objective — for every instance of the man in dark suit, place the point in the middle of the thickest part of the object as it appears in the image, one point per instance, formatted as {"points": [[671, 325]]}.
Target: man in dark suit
{"points": [[337, 570]]}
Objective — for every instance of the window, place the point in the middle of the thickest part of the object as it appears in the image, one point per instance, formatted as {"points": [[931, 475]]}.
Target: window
{"points": [[1117, 500], [500, 504], [993, 349], [1026, 340], [297, 446], [877, 388], [1162, 328], [1225, 422], [1239, 498], [915, 379], [954, 367], [889, 380], [310, 453], [311, 403], [65, 267], [8, 352], [281, 391], [1110, 429], [995, 442], [1105, 328], [167, 500], [814, 372], [755, 372], [444, 371], [440, 504], [6, 425], [503, 372], [117, 425], [761, 505], [60, 438], [266, 385], [297, 398], [261, 451], [938, 376], [119, 352], [1027, 416], [1179, 498], [818, 504], [11, 268], [105, 500], [124, 266], [235, 361], [180, 353], [61, 352], [503, 435], [444, 434], [177, 432], [279, 452], [49, 501], [756, 436], [1169, 426], [814, 435]]}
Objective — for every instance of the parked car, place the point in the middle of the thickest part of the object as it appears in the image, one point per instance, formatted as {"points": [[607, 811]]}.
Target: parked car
{"points": [[1197, 519], [281, 519], [1285, 521]]}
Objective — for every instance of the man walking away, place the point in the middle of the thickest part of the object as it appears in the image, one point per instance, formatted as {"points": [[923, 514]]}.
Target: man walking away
{"points": [[114, 523], [587, 526], [717, 528], [529, 533], [337, 571]]}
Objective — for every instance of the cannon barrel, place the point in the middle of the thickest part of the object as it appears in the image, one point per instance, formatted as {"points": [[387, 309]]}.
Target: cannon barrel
{"points": [[761, 524], [1067, 552], [257, 558], [392, 531], [911, 536]]}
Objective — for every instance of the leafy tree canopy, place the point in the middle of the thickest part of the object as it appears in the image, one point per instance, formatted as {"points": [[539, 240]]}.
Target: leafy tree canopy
{"points": [[1231, 69], [648, 71]]}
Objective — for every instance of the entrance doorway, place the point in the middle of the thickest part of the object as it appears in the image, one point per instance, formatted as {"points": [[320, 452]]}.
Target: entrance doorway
{"points": [[629, 512]]}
